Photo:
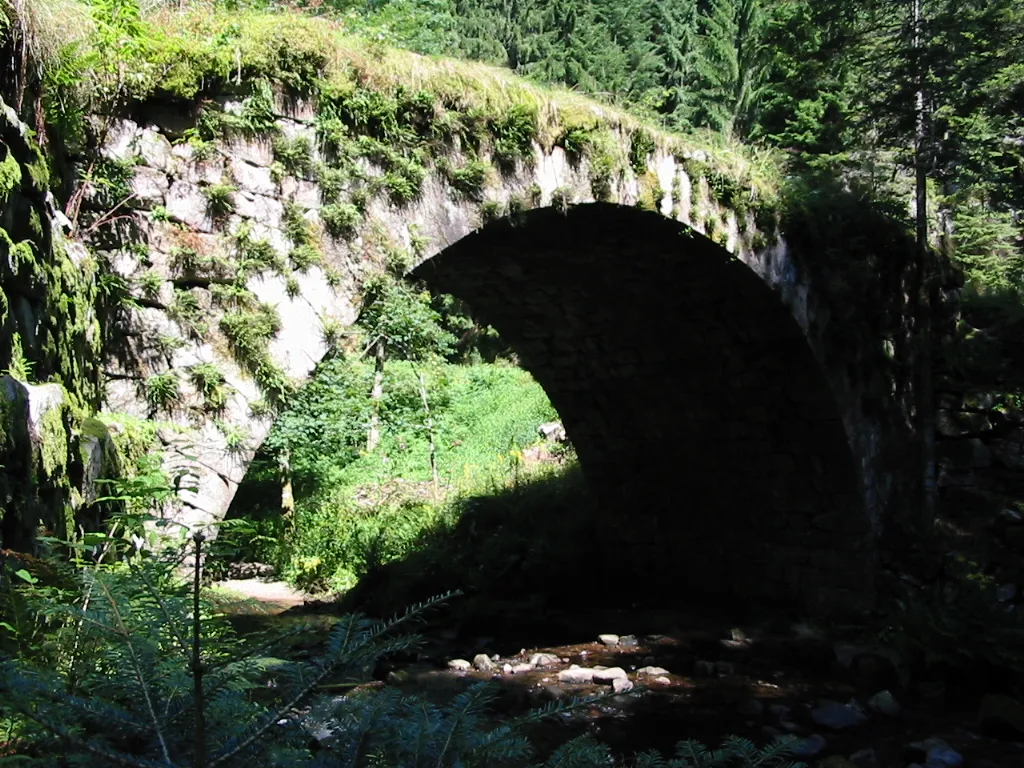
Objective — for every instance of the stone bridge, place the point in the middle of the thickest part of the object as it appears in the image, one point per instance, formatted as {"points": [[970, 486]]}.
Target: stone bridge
{"points": [[735, 384]]}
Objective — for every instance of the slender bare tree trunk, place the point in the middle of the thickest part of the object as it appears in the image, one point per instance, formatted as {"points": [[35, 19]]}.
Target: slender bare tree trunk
{"points": [[376, 394], [284, 473], [926, 383]]}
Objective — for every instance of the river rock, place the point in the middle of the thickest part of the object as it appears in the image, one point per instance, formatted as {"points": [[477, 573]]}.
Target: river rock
{"points": [[622, 684], [832, 714], [629, 641], [576, 674], [941, 755], [652, 671], [608, 639], [865, 758], [885, 703], [810, 746], [460, 665], [704, 668], [521, 669], [483, 662], [751, 708], [1002, 717], [544, 660], [836, 761], [609, 675]]}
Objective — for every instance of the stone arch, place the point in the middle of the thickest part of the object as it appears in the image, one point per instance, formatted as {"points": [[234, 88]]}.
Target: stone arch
{"points": [[696, 405]]}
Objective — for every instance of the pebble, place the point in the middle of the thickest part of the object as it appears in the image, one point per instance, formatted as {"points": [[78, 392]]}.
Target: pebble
{"points": [[608, 639], [483, 662], [460, 665]]}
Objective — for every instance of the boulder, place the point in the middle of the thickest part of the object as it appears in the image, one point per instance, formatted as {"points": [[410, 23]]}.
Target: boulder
{"points": [[460, 665], [837, 716], [483, 662], [609, 675]]}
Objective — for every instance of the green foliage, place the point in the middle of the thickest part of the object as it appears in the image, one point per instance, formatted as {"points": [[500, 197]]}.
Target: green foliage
{"points": [[162, 390], [211, 385], [735, 752], [186, 311], [305, 256], [248, 333], [146, 672], [403, 318], [513, 135], [294, 154], [469, 179], [341, 219], [219, 199], [940, 629], [641, 147]]}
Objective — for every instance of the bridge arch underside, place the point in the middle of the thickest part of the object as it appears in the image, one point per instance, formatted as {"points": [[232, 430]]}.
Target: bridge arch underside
{"points": [[701, 419]]}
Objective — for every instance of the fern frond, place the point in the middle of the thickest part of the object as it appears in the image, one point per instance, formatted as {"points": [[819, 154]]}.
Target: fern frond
{"points": [[583, 752]]}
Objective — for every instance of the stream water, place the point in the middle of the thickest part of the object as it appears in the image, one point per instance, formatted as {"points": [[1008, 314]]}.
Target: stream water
{"points": [[756, 681]]}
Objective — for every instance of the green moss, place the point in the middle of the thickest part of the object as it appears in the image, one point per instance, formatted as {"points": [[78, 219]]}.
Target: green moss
{"points": [[54, 443], [606, 161], [651, 193], [10, 176]]}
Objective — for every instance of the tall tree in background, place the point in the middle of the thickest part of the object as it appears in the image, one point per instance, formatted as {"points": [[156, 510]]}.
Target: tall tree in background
{"points": [[673, 29], [730, 65]]}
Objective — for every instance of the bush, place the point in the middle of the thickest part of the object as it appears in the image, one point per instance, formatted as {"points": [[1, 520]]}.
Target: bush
{"points": [[341, 219]]}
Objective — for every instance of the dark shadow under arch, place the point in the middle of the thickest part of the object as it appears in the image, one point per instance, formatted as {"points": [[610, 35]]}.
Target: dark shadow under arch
{"points": [[701, 418]]}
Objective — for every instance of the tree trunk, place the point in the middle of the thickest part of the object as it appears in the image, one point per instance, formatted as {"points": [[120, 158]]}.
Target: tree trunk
{"points": [[926, 397], [376, 394], [284, 470], [430, 432]]}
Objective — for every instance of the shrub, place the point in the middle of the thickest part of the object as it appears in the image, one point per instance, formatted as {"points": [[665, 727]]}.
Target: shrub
{"points": [[469, 179], [295, 154], [513, 135]]}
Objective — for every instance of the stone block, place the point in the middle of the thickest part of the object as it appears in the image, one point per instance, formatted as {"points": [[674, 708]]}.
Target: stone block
{"points": [[150, 185], [187, 203]]}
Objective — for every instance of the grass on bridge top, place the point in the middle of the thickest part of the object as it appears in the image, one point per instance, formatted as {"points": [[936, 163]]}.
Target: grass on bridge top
{"points": [[196, 49]]}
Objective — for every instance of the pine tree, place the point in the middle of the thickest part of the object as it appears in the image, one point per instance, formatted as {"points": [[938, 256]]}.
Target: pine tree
{"points": [[730, 66], [673, 25]]}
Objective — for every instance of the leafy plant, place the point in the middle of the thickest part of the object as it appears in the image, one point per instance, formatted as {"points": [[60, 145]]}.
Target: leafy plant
{"points": [[219, 199], [162, 390], [211, 385], [341, 219], [469, 179], [735, 752], [294, 154], [513, 133]]}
